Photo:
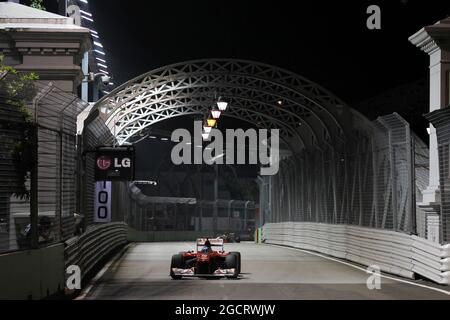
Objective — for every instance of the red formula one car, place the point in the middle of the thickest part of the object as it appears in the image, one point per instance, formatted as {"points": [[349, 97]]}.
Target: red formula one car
{"points": [[209, 260]]}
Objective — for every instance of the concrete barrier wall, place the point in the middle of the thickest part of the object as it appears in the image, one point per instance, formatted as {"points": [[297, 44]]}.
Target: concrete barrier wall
{"points": [[393, 252], [32, 274]]}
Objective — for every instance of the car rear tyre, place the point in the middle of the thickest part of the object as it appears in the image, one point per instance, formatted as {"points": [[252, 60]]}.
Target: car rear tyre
{"points": [[177, 262]]}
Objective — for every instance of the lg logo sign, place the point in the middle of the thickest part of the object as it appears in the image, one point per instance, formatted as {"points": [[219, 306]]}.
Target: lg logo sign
{"points": [[104, 163], [114, 164], [111, 164]]}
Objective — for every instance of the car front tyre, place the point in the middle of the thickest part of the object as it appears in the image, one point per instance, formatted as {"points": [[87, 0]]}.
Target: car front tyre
{"points": [[238, 258], [177, 262], [231, 262]]}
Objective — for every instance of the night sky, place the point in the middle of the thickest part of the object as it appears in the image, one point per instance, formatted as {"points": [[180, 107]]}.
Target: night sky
{"points": [[324, 41]]}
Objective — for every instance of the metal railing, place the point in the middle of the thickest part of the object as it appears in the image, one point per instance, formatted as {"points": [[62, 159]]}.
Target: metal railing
{"points": [[89, 249]]}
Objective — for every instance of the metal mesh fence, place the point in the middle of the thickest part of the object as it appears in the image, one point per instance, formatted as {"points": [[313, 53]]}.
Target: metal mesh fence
{"points": [[54, 113], [11, 121], [441, 121], [367, 182]]}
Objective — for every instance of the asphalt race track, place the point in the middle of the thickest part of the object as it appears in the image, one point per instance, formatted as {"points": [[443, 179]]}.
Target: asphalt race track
{"points": [[268, 272]]}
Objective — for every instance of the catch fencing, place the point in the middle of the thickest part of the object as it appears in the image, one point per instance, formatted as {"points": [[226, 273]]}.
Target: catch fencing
{"points": [[441, 121], [373, 180], [40, 212]]}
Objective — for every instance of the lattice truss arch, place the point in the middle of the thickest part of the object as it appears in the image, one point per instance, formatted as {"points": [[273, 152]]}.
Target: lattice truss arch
{"points": [[309, 115]]}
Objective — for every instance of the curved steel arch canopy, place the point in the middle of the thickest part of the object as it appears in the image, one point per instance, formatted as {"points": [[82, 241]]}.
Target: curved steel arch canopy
{"points": [[266, 96]]}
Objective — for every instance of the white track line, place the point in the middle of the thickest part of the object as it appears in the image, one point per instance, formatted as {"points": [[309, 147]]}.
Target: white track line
{"points": [[98, 276], [362, 269]]}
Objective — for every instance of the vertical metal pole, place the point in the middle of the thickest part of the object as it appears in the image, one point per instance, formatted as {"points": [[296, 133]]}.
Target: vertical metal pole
{"points": [[261, 200], [200, 204], [60, 196], [174, 207], [34, 206], [34, 199], [200, 226], [413, 183], [79, 173], [245, 215], [216, 197], [61, 163], [229, 214]]}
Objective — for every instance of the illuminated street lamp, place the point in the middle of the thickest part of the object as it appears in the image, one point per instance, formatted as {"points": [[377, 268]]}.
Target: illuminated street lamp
{"points": [[211, 122], [216, 113], [207, 129], [205, 136], [222, 105]]}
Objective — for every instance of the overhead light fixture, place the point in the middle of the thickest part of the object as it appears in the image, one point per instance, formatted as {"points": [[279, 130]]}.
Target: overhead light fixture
{"points": [[222, 105], [164, 139], [207, 129], [211, 122], [205, 137], [280, 102], [102, 65], [152, 137], [101, 52], [104, 71], [98, 44], [216, 113], [93, 31], [84, 1], [100, 59]]}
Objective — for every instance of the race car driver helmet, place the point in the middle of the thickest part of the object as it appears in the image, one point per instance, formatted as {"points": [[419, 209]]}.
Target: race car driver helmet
{"points": [[207, 246]]}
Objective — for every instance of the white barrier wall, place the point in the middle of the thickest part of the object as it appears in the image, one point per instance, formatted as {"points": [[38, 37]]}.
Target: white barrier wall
{"points": [[393, 252]]}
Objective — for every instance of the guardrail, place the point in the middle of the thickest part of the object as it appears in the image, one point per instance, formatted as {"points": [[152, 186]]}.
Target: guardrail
{"points": [[394, 252], [87, 250]]}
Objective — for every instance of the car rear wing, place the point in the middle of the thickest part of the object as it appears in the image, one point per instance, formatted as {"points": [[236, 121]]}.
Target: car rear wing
{"points": [[216, 244]]}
